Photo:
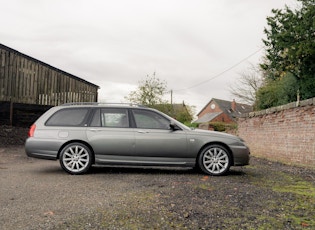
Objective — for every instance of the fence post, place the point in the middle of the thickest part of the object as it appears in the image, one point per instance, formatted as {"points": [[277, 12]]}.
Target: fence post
{"points": [[11, 112]]}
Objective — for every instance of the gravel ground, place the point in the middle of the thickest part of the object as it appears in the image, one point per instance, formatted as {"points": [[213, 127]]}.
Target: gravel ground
{"points": [[37, 194], [12, 135]]}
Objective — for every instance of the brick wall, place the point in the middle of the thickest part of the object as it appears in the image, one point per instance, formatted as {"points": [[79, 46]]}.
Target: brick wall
{"points": [[285, 133]]}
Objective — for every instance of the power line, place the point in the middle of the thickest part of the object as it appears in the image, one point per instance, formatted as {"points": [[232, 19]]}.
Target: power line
{"points": [[218, 75]]}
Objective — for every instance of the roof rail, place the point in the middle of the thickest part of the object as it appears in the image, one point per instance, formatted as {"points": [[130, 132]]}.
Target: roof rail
{"points": [[102, 103]]}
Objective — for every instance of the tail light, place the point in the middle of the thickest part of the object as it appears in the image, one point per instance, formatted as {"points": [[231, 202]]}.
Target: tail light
{"points": [[32, 130]]}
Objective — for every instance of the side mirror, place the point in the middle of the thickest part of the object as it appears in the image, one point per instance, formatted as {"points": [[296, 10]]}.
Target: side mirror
{"points": [[174, 127]]}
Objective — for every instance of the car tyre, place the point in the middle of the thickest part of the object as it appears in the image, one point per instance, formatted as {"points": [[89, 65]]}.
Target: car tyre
{"points": [[76, 158], [214, 160]]}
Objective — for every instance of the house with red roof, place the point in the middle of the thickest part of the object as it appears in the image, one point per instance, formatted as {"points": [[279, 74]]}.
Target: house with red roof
{"points": [[217, 110]]}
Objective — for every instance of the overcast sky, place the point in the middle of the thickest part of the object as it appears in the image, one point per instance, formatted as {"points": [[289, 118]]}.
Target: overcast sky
{"points": [[199, 47]]}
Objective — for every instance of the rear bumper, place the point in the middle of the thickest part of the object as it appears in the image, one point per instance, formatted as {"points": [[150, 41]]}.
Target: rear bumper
{"points": [[42, 148]]}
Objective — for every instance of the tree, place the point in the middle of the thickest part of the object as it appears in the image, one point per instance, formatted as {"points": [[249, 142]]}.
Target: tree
{"points": [[249, 83], [181, 112], [290, 52], [149, 92], [276, 92], [186, 114]]}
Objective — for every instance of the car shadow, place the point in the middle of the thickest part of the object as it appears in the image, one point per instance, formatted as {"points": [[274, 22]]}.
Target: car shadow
{"points": [[140, 170], [236, 172], [105, 169], [155, 170], [50, 171]]}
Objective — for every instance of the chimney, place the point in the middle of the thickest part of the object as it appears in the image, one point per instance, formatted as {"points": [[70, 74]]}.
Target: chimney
{"points": [[233, 105]]}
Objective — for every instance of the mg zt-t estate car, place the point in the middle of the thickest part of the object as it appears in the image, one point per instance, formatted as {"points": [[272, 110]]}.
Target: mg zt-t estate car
{"points": [[116, 134]]}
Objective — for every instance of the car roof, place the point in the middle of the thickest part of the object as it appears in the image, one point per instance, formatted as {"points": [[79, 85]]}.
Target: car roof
{"points": [[101, 104]]}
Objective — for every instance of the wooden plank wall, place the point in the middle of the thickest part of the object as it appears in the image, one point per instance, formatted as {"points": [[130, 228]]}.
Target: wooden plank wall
{"points": [[25, 80], [23, 115]]}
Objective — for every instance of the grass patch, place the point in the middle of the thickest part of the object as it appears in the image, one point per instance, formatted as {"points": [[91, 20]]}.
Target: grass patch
{"points": [[205, 187], [301, 188], [296, 209]]}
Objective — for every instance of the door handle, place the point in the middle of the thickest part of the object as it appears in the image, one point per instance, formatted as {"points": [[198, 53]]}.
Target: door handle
{"points": [[95, 130], [142, 131]]}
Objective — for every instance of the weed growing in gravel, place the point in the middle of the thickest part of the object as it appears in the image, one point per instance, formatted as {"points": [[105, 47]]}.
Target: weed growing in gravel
{"points": [[265, 195], [296, 210]]}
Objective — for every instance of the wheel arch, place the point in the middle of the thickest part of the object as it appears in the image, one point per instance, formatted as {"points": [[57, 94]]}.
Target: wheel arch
{"points": [[77, 141], [215, 143]]}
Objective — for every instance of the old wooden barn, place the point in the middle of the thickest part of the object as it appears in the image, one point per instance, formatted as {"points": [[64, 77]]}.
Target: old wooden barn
{"points": [[27, 81]]}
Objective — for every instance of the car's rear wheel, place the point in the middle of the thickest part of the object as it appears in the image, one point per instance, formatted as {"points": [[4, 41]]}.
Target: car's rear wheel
{"points": [[214, 160], [76, 158]]}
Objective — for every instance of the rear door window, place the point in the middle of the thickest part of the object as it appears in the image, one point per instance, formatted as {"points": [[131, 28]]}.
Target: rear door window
{"points": [[69, 117], [110, 117]]}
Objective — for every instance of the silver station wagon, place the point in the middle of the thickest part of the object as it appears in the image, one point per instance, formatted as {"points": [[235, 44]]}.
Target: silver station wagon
{"points": [[81, 135]]}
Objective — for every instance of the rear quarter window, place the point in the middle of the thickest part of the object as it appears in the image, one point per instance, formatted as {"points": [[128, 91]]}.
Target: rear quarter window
{"points": [[68, 117]]}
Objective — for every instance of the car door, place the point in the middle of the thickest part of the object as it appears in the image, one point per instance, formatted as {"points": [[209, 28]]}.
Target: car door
{"points": [[110, 133], [154, 138]]}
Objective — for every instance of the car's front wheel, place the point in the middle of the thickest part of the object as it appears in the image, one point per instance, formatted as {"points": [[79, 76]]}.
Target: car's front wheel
{"points": [[76, 158], [214, 160]]}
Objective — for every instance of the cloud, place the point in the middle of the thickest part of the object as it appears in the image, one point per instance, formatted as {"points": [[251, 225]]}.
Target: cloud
{"points": [[115, 44]]}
